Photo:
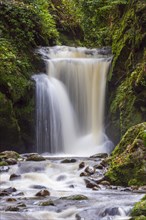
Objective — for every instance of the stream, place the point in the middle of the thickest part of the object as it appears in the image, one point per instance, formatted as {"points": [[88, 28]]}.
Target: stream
{"points": [[63, 188]]}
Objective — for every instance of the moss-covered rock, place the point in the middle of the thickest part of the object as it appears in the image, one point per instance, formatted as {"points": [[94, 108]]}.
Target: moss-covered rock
{"points": [[8, 158], [139, 210], [75, 197], [128, 160]]}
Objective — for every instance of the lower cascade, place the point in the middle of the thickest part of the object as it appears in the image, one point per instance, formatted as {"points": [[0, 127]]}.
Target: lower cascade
{"points": [[70, 101]]}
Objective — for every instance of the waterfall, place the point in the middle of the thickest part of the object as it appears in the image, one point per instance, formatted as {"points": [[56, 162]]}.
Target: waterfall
{"points": [[70, 101]]}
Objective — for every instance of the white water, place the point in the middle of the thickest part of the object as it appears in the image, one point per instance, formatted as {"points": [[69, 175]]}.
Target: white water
{"points": [[62, 179], [70, 102]]}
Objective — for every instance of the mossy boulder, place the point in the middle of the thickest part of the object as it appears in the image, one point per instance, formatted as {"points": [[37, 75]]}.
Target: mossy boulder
{"points": [[128, 160], [139, 210], [8, 158], [75, 197]]}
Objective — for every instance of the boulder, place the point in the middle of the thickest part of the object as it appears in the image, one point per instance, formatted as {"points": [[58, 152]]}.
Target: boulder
{"points": [[128, 160]]}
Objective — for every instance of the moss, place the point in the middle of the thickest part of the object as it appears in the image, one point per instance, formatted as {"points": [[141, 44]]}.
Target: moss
{"points": [[129, 100], [139, 210], [128, 162], [8, 124], [3, 163], [75, 197], [127, 76]]}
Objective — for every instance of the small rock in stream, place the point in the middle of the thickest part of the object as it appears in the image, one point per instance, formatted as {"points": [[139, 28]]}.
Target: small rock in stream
{"points": [[11, 200], [90, 170], [104, 182], [43, 193], [18, 194], [14, 176], [9, 154], [47, 203], [11, 161], [7, 191], [69, 160], [12, 209], [90, 184], [35, 157], [37, 187], [98, 166], [75, 197], [61, 177], [83, 174], [81, 165], [21, 204], [99, 155]]}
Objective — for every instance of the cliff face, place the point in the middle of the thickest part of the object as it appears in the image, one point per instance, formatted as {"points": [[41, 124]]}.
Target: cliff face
{"points": [[127, 81]]}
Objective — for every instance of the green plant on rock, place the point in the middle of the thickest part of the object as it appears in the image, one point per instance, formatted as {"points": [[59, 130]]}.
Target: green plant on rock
{"points": [[128, 164], [97, 20], [139, 210]]}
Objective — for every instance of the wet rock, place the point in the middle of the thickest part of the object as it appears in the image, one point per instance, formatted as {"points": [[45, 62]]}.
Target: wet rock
{"points": [[100, 155], [43, 193], [81, 165], [71, 186], [4, 169], [21, 204], [90, 184], [7, 191], [134, 188], [104, 163], [14, 176], [37, 187], [69, 160], [47, 203], [98, 166], [11, 161], [75, 197], [99, 180], [18, 194], [111, 211], [83, 174], [35, 157], [96, 188], [9, 154], [127, 189], [142, 188], [61, 177], [11, 200], [104, 182], [90, 170], [12, 209]]}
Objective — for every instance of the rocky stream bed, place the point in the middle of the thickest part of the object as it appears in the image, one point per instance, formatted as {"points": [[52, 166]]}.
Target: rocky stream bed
{"points": [[51, 188]]}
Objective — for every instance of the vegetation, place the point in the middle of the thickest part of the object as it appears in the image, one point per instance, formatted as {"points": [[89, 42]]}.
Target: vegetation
{"points": [[128, 162], [139, 210], [23, 26]]}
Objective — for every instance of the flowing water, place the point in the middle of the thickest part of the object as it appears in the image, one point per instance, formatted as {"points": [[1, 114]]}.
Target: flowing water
{"points": [[70, 101], [62, 180]]}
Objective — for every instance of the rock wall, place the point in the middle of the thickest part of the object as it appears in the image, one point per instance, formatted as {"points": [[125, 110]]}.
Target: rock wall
{"points": [[127, 80]]}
